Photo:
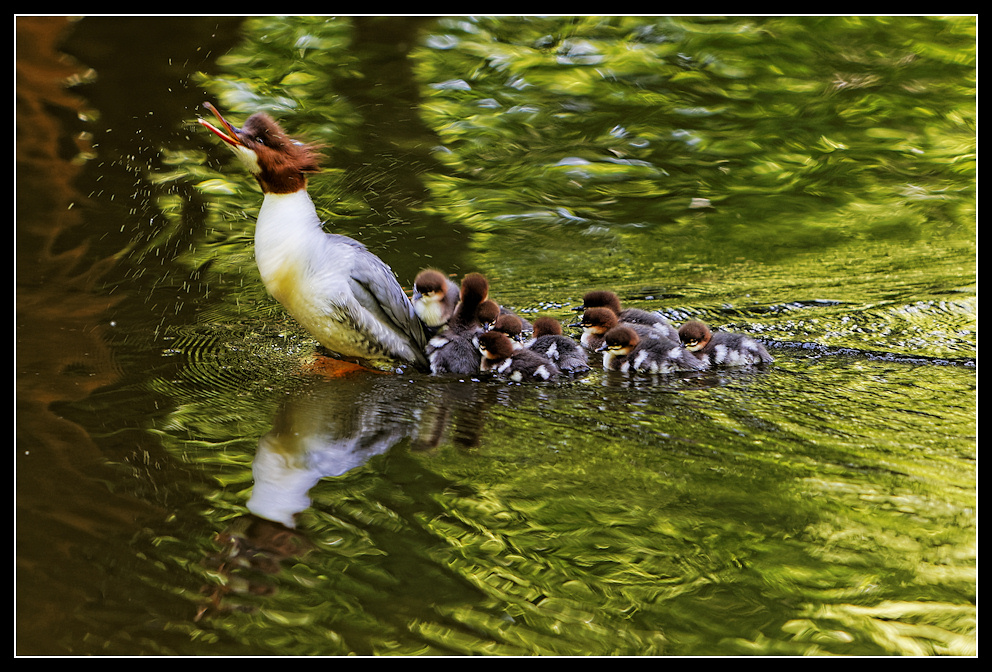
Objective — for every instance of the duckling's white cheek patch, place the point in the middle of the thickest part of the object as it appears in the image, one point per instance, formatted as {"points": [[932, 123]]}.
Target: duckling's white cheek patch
{"points": [[430, 311]]}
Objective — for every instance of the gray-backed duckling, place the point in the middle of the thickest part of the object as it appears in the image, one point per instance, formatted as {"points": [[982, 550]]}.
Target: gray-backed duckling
{"points": [[606, 299], [455, 350], [501, 358], [434, 298], [453, 353], [512, 326], [548, 340], [722, 348], [624, 350], [596, 322]]}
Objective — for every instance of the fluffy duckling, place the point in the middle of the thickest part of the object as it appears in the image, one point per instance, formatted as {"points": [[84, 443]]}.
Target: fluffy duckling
{"points": [[596, 322], [512, 326], [474, 292], [563, 351], [434, 298], [500, 358], [607, 299], [488, 315], [454, 350], [453, 353], [624, 350], [722, 348]]}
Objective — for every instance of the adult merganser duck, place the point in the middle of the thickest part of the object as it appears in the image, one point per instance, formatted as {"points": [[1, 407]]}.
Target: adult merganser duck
{"points": [[597, 321], [607, 299], [562, 350], [345, 296], [434, 298], [500, 357], [721, 348], [624, 350]]}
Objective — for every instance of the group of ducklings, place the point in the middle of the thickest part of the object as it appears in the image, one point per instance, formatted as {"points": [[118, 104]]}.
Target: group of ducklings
{"points": [[469, 333]]}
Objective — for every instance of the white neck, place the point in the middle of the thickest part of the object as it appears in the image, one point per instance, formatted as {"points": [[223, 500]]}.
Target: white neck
{"points": [[287, 232], [287, 214]]}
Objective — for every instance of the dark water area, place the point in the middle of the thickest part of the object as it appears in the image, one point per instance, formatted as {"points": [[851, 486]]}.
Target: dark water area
{"points": [[187, 482]]}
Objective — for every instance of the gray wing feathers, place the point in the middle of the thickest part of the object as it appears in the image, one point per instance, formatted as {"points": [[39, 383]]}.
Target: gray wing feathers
{"points": [[376, 288]]}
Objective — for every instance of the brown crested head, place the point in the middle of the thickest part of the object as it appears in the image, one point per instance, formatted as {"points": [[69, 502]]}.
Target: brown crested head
{"points": [[429, 281], [694, 335], [546, 326], [511, 325], [279, 163], [495, 345], [475, 288], [487, 312], [621, 337], [601, 298], [599, 319]]}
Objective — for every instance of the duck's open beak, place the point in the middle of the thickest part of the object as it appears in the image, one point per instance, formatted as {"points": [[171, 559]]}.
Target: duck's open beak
{"points": [[229, 133]]}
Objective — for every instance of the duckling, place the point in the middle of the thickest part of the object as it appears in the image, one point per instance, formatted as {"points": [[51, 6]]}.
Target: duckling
{"points": [[512, 326], [624, 350], [500, 358], [474, 292], [434, 298], [597, 321], [487, 315], [453, 353], [722, 348], [454, 350], [525, 324], [607, 299], [563, 351]]}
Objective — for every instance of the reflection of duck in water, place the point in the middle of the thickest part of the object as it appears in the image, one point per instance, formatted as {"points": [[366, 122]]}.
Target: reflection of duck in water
{"points": [[624, 350], [721, 348], [252, 548], [327, 432], [607, 299], [501, 358], [345, 296], [549, 341]]}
